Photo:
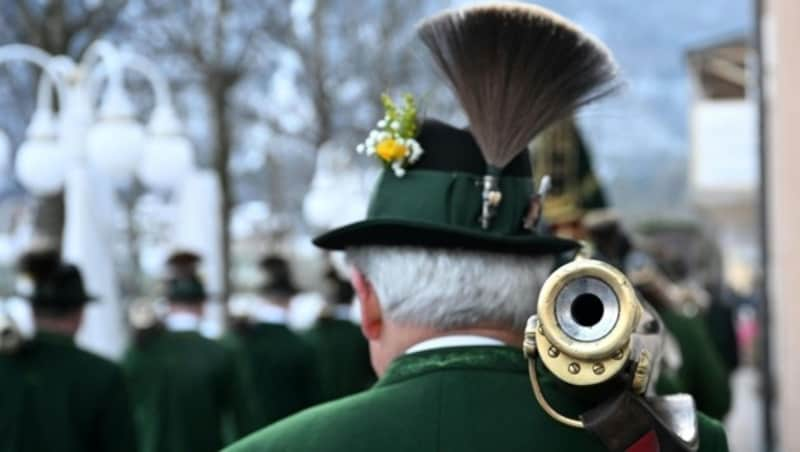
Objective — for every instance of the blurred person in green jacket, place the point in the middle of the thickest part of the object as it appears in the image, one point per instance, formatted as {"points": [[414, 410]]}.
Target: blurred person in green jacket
{"points": [[692, 363], [190, 393], [449, 260], [282, 364], [57, 397], [688, 252], [577, 207], [341, 349]]}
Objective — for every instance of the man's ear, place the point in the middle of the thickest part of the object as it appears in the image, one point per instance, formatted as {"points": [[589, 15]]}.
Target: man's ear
{"points": [[371, 314]]}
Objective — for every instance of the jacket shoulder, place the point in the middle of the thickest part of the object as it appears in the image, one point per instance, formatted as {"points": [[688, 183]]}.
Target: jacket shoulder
{"points": [[320, 427], [277, 340], [176, 352], [87, 364], [712, 435]]}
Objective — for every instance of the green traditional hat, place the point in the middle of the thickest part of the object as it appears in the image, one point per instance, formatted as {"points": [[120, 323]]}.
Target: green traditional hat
{"points": [[57, 286], [336, 289], [277, 277], [183, 283], [515, 70], [561, 153]]}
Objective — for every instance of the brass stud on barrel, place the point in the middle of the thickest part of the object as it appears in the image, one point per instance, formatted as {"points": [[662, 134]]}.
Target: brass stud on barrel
{"points": [[619, 354], [574, 368], [553, 352], [598, 368]]}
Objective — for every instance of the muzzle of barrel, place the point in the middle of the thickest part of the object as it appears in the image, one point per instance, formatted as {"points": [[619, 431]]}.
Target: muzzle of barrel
{"points": [[586, 314]]}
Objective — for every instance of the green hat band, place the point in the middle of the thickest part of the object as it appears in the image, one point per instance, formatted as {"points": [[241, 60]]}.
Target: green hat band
{"points": [[452, 199]]}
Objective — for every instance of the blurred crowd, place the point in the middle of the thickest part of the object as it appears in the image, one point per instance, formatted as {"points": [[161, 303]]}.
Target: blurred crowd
{"points": [[177, 389]]}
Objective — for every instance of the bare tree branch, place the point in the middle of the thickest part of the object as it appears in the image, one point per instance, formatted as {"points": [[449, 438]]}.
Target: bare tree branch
{"points": [[32, 29], [100, 18], [249, 114], [93, 24]]}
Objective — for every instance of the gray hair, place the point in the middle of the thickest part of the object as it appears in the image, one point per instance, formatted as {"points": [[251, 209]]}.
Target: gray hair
{"points": [[452, 289]]}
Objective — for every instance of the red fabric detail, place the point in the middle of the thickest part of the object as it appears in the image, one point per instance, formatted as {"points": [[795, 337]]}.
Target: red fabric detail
{"points": [[647, 443]]}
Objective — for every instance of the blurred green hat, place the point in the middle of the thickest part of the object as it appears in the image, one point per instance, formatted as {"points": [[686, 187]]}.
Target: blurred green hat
{"points": [[55, 285], [277, 277], [183, 282], [561, 153]]}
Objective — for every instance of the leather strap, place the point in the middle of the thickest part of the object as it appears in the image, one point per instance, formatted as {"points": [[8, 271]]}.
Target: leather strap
{"points": [[620, 422], [627, 423]]}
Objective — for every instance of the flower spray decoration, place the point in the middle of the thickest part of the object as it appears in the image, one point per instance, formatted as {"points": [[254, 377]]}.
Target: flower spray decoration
{"points": [[393, 140]]}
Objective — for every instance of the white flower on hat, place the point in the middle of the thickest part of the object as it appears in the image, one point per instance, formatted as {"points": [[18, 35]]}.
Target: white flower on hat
{"points": [[398, 169]]}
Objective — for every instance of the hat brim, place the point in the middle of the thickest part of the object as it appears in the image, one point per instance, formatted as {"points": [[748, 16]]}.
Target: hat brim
{"points": [[84, 299], [395, 232]]}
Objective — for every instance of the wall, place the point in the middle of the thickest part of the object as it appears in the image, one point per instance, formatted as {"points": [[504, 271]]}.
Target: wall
{"points": [[781, 37]]}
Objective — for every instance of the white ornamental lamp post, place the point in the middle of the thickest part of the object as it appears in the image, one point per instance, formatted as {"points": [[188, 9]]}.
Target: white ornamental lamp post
{"points": [[81, 150], [197, 228]]}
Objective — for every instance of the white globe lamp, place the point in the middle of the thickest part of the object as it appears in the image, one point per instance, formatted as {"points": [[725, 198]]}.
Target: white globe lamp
{"points": [[114, 143], [321, 205], [352, 210], [168, 155], [40, 163]]}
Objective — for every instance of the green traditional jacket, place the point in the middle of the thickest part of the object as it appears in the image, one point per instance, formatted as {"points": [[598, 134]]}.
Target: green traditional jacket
{"points": [[56, 397], [283, 369], [464, 399], [702, 372], [342, 358], [190, 393]]}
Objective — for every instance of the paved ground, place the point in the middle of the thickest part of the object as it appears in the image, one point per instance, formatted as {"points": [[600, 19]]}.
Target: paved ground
{"points": [[744, 421]]}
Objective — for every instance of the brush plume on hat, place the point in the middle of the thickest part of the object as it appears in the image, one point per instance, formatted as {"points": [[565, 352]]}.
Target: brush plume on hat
{"points": [[183, 264], [515, 69], [57, 286], [39, 265], [277, 277], [184, 259]]}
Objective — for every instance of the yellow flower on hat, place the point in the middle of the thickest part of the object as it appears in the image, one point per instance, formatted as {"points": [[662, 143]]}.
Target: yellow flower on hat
{"points": [[394, 139], [390, 150]]}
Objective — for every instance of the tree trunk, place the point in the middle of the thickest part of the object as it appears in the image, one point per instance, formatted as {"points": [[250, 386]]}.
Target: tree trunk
{"points": [[221, 155], [49, 218], [276, 203]]}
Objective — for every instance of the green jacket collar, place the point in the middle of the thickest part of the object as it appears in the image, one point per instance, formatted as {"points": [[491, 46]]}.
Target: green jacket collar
{"points": [[570, 400], [404, 367]]}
